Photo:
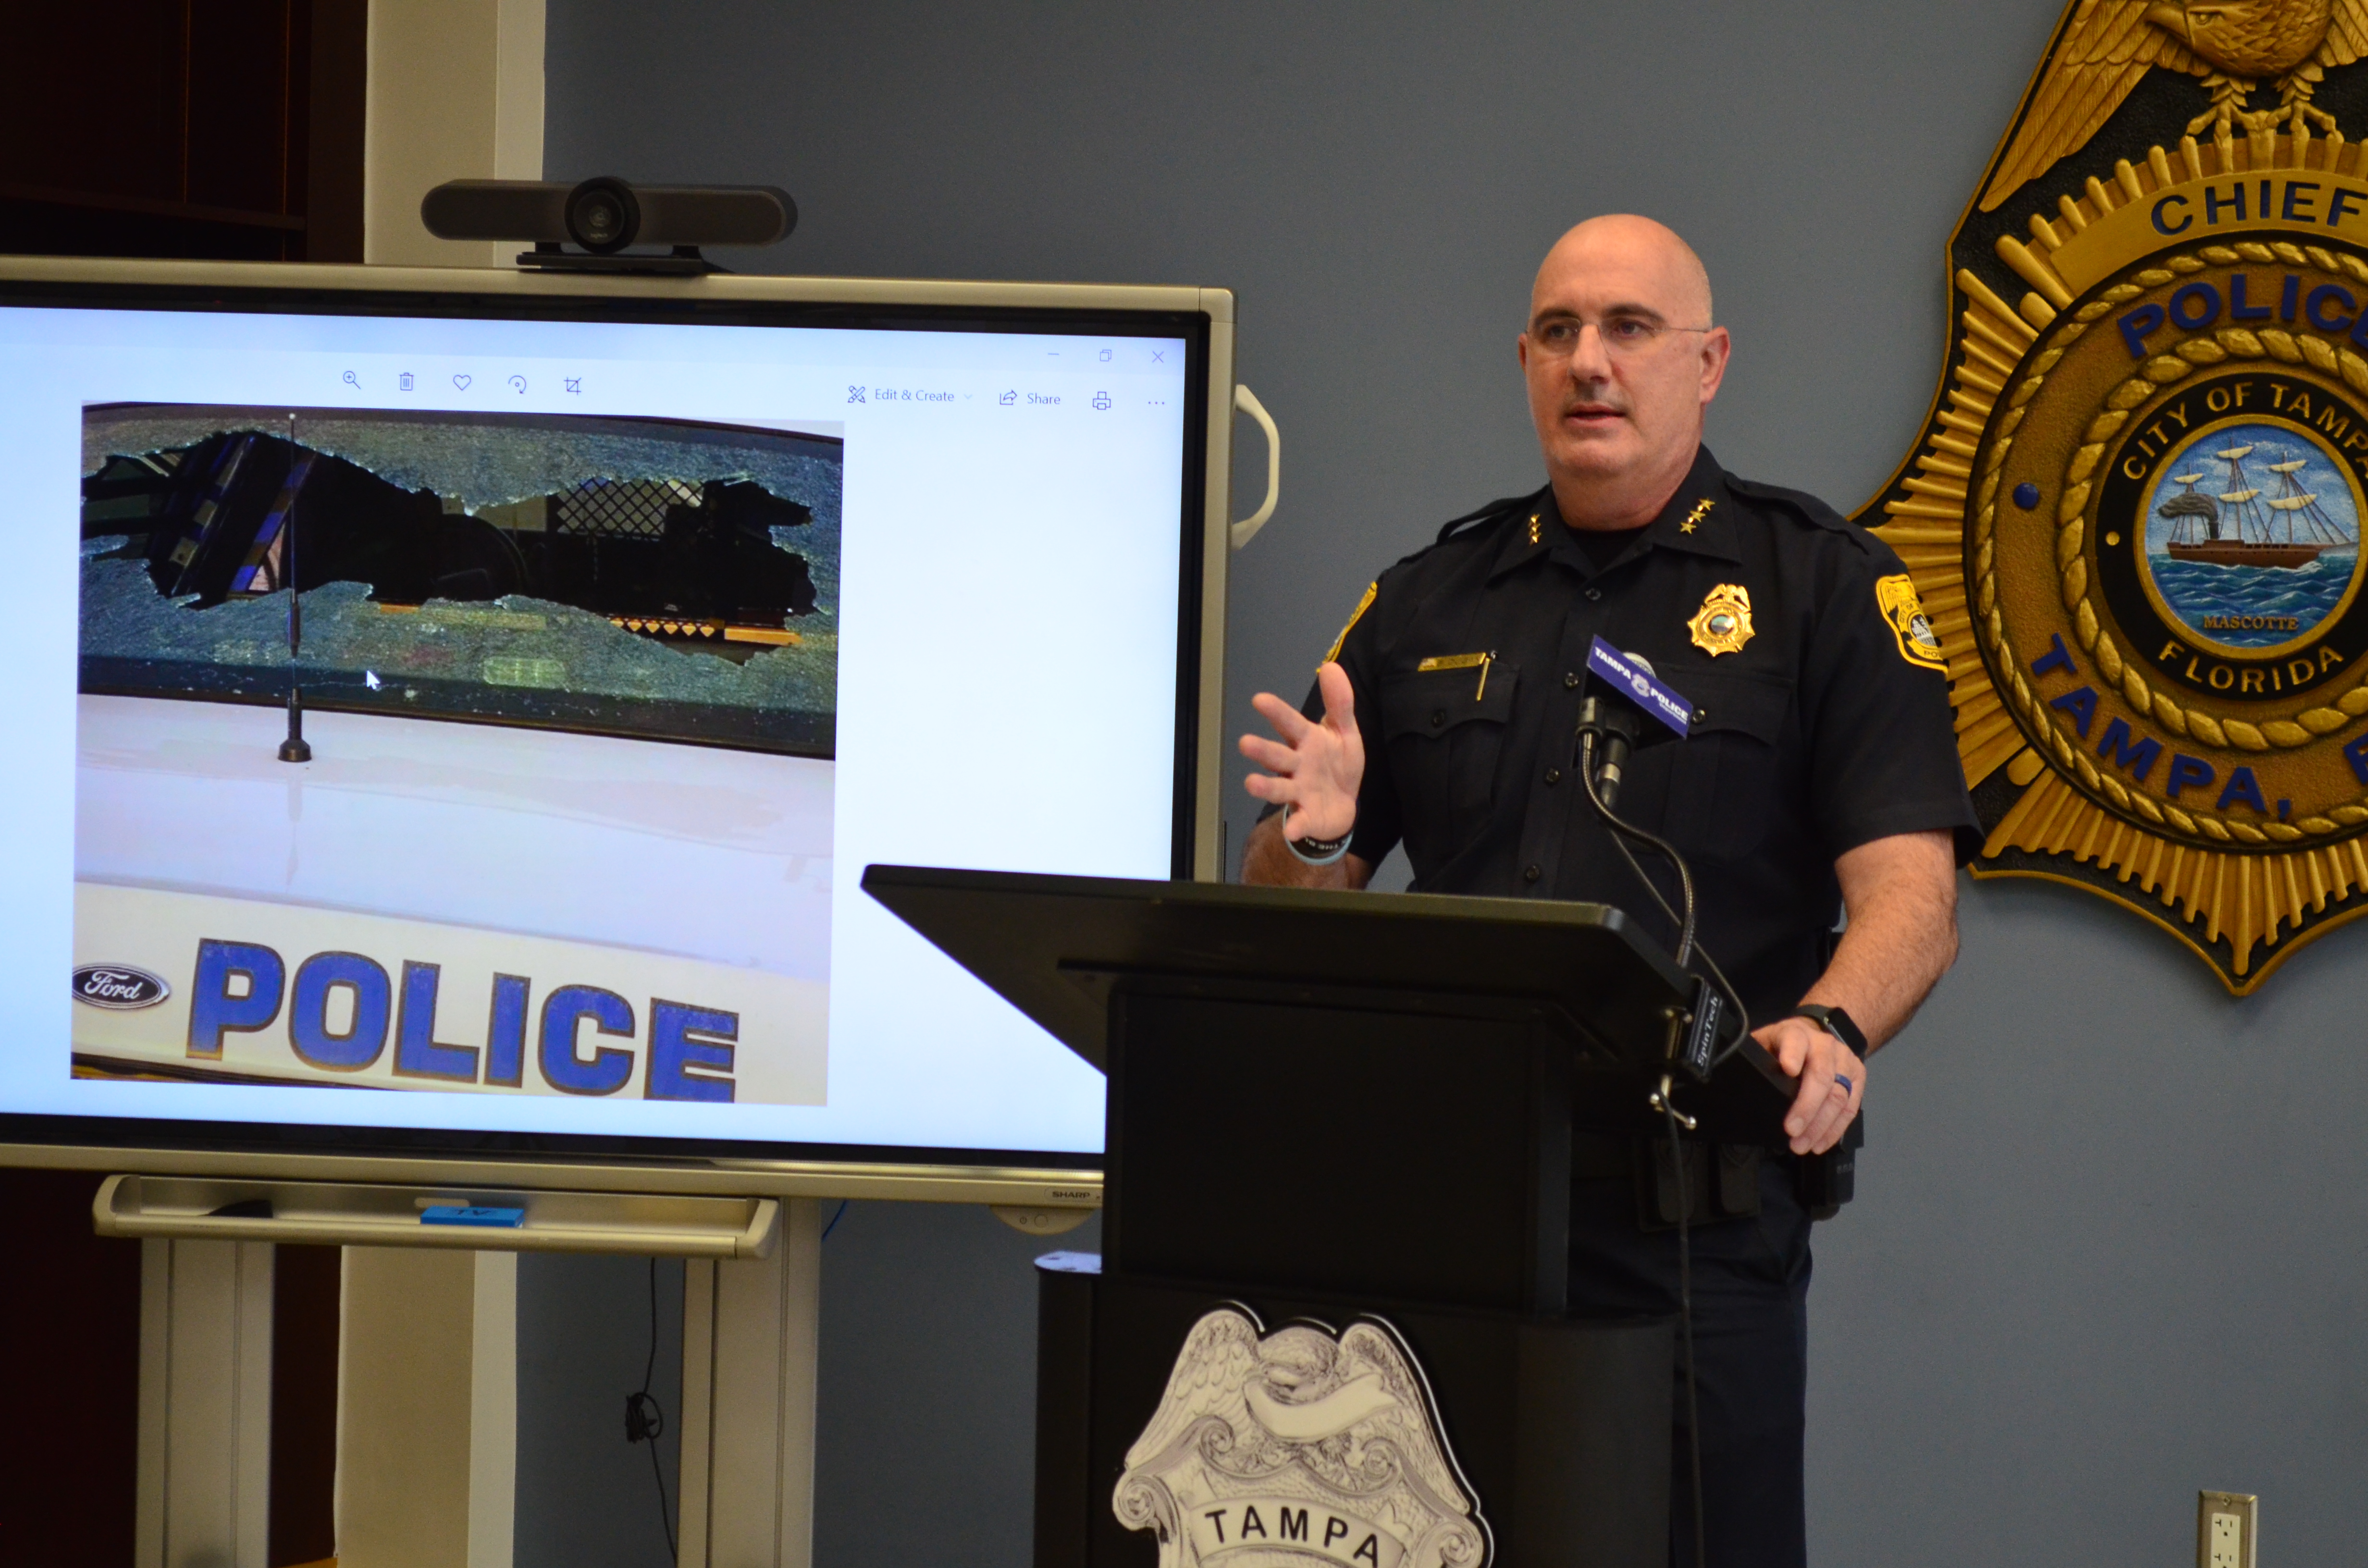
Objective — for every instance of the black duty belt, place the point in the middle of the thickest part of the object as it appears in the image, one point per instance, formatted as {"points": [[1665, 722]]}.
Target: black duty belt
{"points": [[1722, 1179]]}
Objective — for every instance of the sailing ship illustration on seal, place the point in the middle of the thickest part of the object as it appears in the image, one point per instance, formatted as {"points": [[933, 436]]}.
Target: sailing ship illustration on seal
{"points": [[2237, 527]]}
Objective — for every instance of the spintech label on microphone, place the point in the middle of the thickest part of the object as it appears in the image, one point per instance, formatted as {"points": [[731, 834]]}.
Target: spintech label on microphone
{"points": [[1640, 686]]}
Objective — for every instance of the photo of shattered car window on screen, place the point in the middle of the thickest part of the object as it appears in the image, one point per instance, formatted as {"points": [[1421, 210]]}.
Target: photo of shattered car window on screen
{"points": [[525, 788]]}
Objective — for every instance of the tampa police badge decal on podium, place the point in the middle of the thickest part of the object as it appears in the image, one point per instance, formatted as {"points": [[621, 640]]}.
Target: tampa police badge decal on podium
{"points": [[1298, 1448], [2133, 519]]}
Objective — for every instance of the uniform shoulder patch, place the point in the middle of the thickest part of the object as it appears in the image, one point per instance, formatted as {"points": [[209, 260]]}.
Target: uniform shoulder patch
{"points": [[1354, 616], [1919, 644]]}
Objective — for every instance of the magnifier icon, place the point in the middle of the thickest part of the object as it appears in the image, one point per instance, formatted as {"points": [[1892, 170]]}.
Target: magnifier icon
{"points": [[352, 382]]}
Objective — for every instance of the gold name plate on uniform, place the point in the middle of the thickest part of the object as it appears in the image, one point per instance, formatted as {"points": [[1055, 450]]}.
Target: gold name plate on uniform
{"points": [[1461, 661]]}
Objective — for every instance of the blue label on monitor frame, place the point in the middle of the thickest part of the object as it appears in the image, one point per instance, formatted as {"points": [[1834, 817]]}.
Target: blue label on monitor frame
{"points": [[472, 1215]]}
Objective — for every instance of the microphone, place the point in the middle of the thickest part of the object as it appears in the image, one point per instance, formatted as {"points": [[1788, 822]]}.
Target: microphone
{"points": [[1625, 706]]}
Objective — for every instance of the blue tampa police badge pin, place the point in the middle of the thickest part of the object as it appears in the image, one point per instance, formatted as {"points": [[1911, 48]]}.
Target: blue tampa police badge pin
{"points": [[2132, 524]]}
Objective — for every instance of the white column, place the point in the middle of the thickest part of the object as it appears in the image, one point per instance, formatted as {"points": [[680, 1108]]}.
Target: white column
{"points": [[204, 1457], [749, 1349], [426, 1408], [455, 92], [493, 1411]]}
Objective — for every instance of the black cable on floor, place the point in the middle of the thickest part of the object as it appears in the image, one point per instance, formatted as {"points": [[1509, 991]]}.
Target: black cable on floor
{"points": [[646, 1421]]}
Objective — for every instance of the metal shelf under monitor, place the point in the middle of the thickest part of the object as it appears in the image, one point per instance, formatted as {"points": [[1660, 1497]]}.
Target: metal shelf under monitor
{"points": [[352, 1214]]}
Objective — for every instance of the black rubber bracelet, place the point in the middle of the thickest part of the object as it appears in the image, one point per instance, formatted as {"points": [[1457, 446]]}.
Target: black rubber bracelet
{"points": [[1317, 851]]}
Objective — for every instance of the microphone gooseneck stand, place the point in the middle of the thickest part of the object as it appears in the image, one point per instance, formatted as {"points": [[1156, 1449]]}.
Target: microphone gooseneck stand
{"points": [[1607, 736]]}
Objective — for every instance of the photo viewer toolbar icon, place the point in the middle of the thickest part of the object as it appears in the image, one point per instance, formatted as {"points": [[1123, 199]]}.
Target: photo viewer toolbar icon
{"points": [[1101, 399], [403, 380], [1007, 399]]}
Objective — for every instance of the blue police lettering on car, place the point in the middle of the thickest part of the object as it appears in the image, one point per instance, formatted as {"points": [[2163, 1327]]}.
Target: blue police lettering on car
{"points": [[239, 987]]}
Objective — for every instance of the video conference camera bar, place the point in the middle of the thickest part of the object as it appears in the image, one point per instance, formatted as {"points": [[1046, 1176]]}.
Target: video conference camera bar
{"points": [[603, 216]]}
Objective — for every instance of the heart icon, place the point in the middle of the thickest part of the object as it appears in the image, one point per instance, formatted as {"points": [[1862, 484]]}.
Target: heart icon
{"points": [[461, 381]]}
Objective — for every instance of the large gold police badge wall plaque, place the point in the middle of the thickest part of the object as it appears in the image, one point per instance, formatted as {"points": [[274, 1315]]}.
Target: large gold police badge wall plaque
{"points": [[2134, 518]]}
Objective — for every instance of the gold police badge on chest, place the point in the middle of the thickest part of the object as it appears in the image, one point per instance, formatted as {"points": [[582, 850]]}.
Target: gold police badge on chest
{"points": [[1723, 625]]}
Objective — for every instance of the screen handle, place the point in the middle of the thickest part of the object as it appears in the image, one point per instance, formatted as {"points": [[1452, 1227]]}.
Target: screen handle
{"points": [[1247, 528]]}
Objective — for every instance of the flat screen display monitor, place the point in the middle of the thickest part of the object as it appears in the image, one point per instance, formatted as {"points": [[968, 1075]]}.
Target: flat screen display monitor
{"points": [[624, 624]]}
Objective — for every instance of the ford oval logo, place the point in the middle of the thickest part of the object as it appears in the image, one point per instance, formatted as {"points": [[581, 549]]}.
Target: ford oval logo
{"points": [[118, 987]]}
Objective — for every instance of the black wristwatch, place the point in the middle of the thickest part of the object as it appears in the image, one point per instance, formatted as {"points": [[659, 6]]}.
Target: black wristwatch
{"points": [[1835, 1022]]}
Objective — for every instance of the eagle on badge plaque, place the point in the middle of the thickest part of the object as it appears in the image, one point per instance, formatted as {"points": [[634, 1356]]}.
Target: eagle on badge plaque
{"points": [[2132, 516], [1299, 1448]]}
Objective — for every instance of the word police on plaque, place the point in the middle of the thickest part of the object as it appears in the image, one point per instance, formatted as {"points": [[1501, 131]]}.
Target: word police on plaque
{"points": [[2134, 516]]}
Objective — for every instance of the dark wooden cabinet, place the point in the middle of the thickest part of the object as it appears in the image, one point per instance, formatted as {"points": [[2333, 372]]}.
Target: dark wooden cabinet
{"points": [[222, 129]]}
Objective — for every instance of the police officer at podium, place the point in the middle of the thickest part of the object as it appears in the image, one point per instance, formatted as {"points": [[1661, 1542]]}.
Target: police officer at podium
{"points": [[1820, 778]]}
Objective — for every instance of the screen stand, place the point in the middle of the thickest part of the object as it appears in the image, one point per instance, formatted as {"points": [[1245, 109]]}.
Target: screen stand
{"points": [[204, 1465], [426, 1407], [408, 1488], [749, 1349]]}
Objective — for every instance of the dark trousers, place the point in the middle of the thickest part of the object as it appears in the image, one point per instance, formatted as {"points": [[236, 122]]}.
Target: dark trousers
{"points": [[1751, 1352]]}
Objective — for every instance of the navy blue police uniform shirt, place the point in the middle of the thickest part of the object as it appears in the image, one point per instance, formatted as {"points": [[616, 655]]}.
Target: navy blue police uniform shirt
{"points": [[1828, 726]]}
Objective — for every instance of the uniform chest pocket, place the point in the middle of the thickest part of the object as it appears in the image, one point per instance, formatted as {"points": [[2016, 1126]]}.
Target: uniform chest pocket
{"points": [[1443, 731], [1725, 786]]}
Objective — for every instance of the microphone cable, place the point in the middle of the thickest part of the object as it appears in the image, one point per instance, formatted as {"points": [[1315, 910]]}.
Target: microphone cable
{"points": [[1621, 832], [1686, 1318]]}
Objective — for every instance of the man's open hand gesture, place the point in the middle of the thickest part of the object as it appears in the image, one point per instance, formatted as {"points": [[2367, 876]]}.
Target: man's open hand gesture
{"points": [[1312, 771]]}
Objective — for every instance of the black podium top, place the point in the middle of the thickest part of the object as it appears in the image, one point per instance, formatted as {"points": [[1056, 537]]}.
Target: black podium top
{"points": [[1053, 946]]}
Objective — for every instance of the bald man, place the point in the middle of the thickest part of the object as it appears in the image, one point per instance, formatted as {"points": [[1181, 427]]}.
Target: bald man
{"points": [[1820, 778]]}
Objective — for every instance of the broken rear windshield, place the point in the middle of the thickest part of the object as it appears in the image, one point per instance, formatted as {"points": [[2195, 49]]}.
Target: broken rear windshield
{"points": [[665, 578]]}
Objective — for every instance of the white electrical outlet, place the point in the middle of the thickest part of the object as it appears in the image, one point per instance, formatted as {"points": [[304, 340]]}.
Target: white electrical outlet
{"points": [[2224, 1527]]}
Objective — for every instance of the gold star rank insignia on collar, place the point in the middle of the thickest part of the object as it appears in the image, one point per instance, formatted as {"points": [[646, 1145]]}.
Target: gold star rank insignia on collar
{"points": [[1533, 527], [1723, 625], [1702, 510]]}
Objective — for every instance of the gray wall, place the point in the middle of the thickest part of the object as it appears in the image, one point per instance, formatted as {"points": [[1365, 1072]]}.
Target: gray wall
{"points": [[584, 1333], [2111, 1245]]}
